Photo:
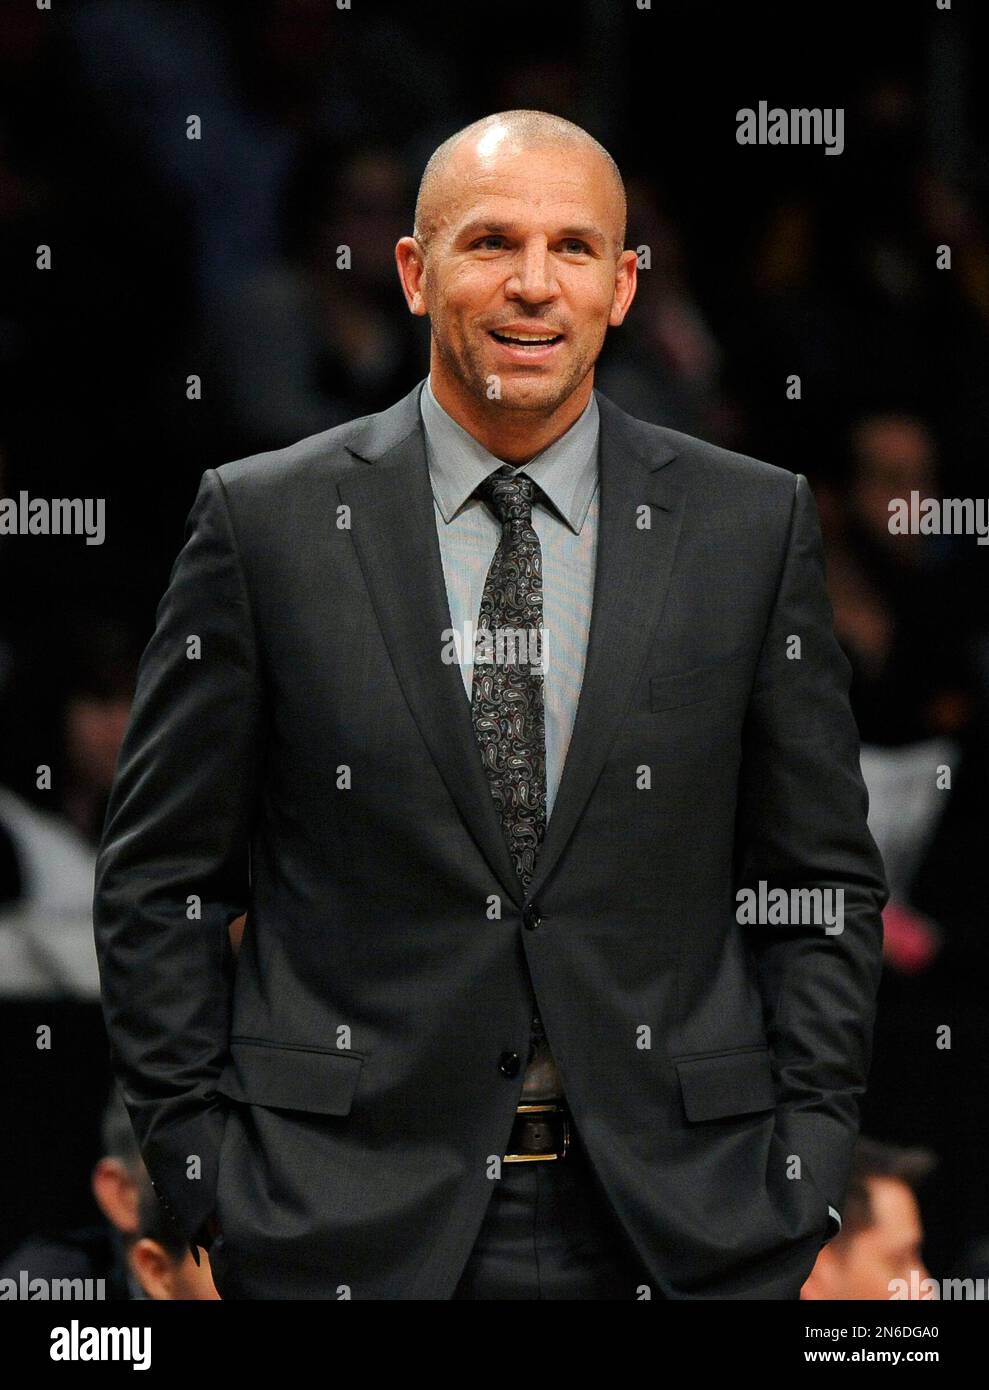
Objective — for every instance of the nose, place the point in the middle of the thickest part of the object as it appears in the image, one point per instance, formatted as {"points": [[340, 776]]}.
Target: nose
{"points": [[534, 280]]}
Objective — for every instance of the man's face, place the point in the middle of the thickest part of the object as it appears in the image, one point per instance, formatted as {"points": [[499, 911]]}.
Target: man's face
{"points": [[526, 244]]}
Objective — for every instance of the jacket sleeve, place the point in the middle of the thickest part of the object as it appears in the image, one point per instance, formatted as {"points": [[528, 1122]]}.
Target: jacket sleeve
{"points": [[802, 824], [173, 863]]}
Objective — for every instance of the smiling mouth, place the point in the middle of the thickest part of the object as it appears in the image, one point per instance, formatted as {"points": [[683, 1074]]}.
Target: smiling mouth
{"points": [[527, 340]]}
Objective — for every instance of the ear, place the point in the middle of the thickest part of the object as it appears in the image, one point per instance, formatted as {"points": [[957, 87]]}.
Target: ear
{"points": [[626, 283], [411, 261]]}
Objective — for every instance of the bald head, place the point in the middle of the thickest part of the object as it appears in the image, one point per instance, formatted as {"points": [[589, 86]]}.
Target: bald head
{"points": [[452, 164]]}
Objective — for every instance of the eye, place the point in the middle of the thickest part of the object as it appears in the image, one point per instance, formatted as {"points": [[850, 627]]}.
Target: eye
{"points": [[581, 246], [494, 236]]}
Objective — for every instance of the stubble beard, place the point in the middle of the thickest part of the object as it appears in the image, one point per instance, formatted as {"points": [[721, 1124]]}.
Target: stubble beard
{"points": [[469, 370]]}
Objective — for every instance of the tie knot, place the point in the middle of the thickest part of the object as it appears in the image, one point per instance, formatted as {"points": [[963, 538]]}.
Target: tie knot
{"points": [[511, 496]]}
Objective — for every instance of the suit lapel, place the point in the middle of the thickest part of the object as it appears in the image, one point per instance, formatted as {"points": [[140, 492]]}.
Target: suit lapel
{"points": [[632, 574], [393, 526]]}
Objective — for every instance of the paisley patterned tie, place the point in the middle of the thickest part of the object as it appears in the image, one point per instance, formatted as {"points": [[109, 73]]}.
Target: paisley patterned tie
{"points": [[507, 694], [507, 707]]}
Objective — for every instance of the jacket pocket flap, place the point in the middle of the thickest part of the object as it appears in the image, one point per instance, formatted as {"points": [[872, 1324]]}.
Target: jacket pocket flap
{"points": [[727, 1083], [290, 1078]]}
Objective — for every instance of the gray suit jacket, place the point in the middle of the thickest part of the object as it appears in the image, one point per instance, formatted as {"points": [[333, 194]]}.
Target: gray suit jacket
{"points": [[298, 750]]}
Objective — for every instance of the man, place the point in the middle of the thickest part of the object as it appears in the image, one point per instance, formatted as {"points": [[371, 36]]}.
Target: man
{"points": [[878, 1253], [487, 875]]}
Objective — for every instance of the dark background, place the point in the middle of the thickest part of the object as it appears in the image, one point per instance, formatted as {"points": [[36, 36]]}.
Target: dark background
{"points": [[217, 258]]}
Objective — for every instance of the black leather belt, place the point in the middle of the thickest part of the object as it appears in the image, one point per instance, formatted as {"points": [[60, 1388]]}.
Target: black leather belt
{"points": [[540, 1133]]}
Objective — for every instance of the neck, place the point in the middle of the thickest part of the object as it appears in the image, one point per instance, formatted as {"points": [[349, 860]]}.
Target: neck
{"points": [[514, 436]]}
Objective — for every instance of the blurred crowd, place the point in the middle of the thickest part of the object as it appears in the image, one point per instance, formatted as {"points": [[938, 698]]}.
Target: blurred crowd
{"points": [[196, 311]]}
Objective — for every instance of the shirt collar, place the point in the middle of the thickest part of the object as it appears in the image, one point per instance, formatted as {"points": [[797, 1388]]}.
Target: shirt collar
{"points": [[566, 471]]}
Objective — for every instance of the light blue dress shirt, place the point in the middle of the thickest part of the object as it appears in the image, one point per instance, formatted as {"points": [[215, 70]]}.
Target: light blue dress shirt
{"points": [[568, 473]]}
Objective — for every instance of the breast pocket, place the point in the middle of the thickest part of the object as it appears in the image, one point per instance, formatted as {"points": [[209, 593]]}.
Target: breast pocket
{"points": [[694, 686]]}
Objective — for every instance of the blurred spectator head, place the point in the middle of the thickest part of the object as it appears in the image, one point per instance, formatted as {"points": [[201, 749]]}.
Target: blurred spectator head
{"points": [[881, 1231], [787, 251], [102, 670], [892, 455], [158, 1254], [369, 211], [358, 198], [116, 1175]]}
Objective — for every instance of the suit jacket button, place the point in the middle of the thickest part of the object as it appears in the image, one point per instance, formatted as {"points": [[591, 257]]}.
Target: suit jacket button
{"points": [[509, 1063], [530, 917]]}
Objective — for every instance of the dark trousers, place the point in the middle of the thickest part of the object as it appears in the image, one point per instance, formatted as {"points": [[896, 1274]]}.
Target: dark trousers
{"points": [[549, 1232]]}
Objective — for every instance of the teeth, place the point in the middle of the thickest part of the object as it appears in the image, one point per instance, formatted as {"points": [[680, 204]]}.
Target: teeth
{"points": [[526, 337]]}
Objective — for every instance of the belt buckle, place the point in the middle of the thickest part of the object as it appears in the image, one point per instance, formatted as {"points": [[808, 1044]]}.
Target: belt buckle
{"points": [[545, 1107]]}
